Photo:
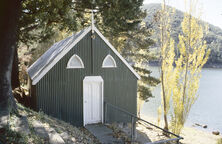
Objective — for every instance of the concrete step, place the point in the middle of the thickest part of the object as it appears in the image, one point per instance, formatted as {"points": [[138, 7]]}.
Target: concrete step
{"points": [[103, 134]]}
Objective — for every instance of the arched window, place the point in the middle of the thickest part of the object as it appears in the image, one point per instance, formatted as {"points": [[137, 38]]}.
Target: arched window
{"points": [[75, 62], [109, 62]]}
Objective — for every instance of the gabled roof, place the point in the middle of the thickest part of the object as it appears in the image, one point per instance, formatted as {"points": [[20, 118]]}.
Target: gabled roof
{"points": [[42, 65]]}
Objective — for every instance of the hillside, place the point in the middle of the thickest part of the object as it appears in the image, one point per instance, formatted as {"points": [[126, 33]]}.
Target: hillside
{"points": [[213, 38], [30, 127]]}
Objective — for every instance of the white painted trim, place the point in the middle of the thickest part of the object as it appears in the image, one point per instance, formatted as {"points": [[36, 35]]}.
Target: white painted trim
{"points": [[116, 52], [50, 65], [92, 21], [109, 56], [94, 79], [71, 67]]}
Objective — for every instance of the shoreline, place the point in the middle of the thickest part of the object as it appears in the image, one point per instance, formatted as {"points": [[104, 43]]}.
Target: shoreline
{"points": [[207, 65], [191, 135]]}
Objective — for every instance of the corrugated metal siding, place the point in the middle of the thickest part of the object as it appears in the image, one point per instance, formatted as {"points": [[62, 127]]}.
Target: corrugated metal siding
{"points": [[120, 84], [60, 91]]}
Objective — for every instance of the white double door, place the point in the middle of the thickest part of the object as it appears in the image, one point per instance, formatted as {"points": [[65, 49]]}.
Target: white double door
{"points": [[92, 99]]}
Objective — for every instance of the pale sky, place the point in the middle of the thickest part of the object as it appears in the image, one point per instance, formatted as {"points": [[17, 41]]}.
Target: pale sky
{"points": [[211, 9]]}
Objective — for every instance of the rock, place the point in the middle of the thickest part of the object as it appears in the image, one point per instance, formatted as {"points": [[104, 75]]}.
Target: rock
{"points": [[73, 139], [40, 129], [64, 135], [21, 125], [55, 138], [4, 118], [49, 129], [203, 126], [47, 132], [197, 124], [216, 132]]}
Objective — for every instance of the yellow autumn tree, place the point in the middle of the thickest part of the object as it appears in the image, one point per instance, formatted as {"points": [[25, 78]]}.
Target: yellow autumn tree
{"points": [[167, 60], [193, 54]]}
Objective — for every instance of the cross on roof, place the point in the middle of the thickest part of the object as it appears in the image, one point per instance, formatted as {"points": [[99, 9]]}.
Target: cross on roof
{"points": [[92, 22]]}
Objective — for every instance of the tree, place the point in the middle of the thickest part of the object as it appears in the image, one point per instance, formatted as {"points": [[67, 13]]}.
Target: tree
{"points": [[37, 23], [10, 10], [136, 49], [187, 72], [134, 46], [167, 59]]}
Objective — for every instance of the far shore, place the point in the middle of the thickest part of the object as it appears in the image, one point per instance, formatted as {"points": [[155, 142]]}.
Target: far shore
{"points": [[207, 65], [191, 135]]}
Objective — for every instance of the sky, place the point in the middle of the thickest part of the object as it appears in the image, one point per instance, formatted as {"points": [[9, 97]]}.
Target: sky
{"points": [[211, 10]]}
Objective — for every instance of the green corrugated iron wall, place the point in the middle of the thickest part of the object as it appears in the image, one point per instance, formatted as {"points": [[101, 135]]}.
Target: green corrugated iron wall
{"points": [[60, 91]]}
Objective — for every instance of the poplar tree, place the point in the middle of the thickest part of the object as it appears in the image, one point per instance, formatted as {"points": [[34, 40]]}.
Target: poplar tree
{"points": [[166, 59], [180, 74], [193, 54]]}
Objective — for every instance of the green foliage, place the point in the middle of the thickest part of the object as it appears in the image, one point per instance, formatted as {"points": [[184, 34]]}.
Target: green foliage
{"points": [[134, 45], [40, 17]]}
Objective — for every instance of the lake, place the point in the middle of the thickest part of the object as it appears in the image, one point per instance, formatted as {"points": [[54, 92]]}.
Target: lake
{"points": [[207, 110]]}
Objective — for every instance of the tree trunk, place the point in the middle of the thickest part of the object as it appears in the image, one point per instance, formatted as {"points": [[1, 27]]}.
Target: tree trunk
{"points": [[163, 53], [9, 14], [164, 100], [15, 71]]}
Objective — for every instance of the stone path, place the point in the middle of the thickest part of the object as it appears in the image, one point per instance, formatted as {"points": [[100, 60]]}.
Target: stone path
{"points": [[103, 134]]}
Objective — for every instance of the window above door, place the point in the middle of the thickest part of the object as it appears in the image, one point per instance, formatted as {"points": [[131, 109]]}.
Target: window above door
{"points": [[75, 62], [109, 62]]}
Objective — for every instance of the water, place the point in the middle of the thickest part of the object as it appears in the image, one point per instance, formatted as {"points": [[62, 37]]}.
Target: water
{"points": [[207, 110]]}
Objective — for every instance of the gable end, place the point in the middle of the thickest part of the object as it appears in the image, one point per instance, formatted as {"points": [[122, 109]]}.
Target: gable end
{"points": [[36, 72]]}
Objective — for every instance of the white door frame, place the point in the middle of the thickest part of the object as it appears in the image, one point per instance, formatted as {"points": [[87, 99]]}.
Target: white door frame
{"points": [[98, 79]]}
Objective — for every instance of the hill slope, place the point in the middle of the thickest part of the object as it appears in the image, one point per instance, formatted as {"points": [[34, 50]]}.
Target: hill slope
{"points": [[30, 127], [213, 38]]}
